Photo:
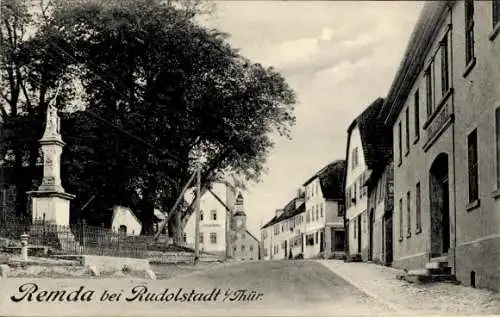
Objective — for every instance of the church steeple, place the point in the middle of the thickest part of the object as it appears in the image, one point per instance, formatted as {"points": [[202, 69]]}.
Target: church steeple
{"points": [[239, 205]]}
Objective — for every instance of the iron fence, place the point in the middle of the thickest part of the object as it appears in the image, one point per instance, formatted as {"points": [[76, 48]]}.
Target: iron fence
{"points": [[76, 239]]}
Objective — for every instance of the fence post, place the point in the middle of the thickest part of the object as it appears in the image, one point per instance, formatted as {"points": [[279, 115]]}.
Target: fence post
{"points": [[24, 247], [43, 229], [83, 235], [102, 241]]}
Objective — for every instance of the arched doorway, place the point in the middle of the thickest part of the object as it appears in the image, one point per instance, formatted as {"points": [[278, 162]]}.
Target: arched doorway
{"points": [[122, 230], [439, 206]]}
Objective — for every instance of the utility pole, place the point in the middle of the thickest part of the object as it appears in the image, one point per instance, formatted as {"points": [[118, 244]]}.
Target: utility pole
{"points": [[197, 212]]}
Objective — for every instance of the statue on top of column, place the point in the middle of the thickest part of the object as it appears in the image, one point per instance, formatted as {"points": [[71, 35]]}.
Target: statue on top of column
{"points": [[52, 128]]}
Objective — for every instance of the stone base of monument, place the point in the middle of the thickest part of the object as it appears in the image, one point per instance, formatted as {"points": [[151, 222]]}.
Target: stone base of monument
{"points": [[57, 239], [53, 206]]}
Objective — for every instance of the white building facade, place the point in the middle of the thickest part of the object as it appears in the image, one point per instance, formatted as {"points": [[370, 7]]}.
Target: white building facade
{"points": [[356, 193], [324, 216], [213, 220]]}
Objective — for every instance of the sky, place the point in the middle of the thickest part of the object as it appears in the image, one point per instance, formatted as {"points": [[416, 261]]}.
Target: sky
{"points": [[337, 56]]}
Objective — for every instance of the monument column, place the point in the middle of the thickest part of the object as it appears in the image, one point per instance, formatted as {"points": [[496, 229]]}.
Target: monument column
{"points": [[50, 199]]}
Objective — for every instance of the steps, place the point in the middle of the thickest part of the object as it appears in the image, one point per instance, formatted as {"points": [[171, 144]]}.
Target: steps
{"points": [[437, 270]]}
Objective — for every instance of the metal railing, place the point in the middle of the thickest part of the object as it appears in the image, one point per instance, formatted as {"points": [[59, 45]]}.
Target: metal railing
{"points": [[77, 239]]}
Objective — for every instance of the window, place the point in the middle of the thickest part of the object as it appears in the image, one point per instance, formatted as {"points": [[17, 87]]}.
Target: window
{"points": [[400, 141], [243, 236], [251, 248], [401, 219], [469, 31], [201, 215], [234, 249], [416, 102], [213, 214], [495, 6], [354, 228], [308, 216], [242, 248], [340, 210], [355, 192], [4, 197], [407, 130], [497, 131], [418, 211], [317, 213], [428, 91], [473, 166], [408, 214], [184, 237], [445, 82], [354, 157], [201, 237], [213, 237], [321, 211]]}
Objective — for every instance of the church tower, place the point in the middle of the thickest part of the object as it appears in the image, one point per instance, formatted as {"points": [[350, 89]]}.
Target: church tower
{"points": [[239, 216]]}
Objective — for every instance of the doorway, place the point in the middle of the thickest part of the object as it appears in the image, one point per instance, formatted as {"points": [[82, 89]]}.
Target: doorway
{"points": [[370, 234], [286, 249], [359, 233], [440, 206], [321, 241], [388, 239]]}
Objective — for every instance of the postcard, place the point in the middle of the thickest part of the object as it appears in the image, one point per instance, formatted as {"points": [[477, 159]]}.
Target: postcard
{"points": [[244, 158]]}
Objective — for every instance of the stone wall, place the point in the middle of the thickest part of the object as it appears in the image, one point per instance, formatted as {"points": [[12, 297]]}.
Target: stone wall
{"points": [[483, 258]]}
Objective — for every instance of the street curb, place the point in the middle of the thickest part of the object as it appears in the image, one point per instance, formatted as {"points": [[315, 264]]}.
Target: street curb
{"points": [[392, 306]]}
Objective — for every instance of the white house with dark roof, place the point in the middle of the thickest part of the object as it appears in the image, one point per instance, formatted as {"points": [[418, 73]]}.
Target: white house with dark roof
{"points": [[324, 217], [364, 150], [282, 236]]}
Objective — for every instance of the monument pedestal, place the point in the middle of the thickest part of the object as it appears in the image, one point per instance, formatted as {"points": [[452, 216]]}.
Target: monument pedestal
{"points": [[52, 206]]}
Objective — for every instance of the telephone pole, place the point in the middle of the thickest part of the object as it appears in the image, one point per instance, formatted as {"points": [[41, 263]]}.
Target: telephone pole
{"points": [[197, 212]]}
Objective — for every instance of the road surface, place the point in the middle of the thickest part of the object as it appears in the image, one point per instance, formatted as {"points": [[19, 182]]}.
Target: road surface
{"points": [[285, 288]]}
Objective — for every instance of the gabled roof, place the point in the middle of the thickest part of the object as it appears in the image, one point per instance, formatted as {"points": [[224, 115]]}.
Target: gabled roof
{"points": [[289, 211], [376, 137], [331, 180], [419, 44], [269, 223]]}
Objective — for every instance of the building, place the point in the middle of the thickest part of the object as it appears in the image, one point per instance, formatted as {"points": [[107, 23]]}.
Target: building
{"points": [[380, 211], [310, 225], [324, 203], [213, 217], [222, 224], [442, 109], [364, 151], [124, 221], [282, 237], [245, 245]]}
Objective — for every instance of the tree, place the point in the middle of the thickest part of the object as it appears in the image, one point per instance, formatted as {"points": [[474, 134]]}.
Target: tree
{"points": [[31, 68], [185, 96]]}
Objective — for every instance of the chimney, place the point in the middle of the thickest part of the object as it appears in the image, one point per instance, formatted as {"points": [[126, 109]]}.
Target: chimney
{"points": [[279, 212], [300, 197]]}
